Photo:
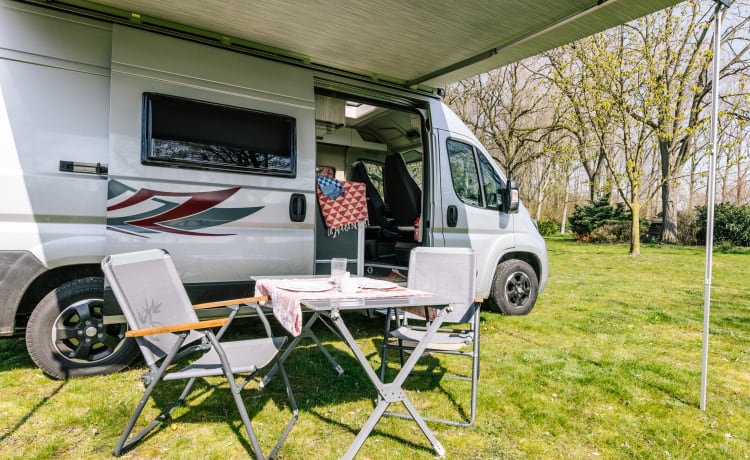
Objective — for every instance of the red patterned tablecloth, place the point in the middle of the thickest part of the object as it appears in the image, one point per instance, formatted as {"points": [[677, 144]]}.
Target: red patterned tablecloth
{"points": [[346, 212], [287, 306]]}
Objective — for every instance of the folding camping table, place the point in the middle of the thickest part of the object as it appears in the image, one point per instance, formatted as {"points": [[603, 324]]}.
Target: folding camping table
{"points": [[331, 305]]}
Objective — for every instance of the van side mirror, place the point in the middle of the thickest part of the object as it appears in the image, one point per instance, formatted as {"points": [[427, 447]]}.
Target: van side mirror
{"points": [[511, 198]]}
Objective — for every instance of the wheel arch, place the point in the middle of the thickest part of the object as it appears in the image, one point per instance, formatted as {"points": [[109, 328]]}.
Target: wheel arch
{"points": [[49, 280], [67, 337], [527, 257]]}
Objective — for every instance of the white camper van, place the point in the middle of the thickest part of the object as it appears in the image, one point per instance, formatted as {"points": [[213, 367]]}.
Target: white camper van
{"points": [[114, 138]]}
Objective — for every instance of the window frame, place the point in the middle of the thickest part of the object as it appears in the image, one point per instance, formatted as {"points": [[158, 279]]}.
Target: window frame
{"points": [[501, 183], [475, 152], [472, 150], [286, 124]]}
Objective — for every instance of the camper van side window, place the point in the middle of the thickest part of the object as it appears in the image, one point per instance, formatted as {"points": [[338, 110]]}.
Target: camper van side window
{"points": [[464, 172], [491, 183], [186, 133]]}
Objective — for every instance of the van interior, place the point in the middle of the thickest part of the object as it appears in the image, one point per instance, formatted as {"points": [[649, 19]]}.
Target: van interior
{"points": [[381, 147]]}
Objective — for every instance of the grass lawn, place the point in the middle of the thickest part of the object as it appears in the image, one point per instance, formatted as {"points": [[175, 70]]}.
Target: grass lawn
{"points": [[606, 366]]}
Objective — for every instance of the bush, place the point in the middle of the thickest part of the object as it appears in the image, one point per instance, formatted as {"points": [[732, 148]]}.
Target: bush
{"points": [[618, 232], [599, 221], [688, 227], [731, 224], [548, 227]]}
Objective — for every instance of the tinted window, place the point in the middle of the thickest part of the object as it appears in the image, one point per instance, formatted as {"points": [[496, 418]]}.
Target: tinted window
{"points": [[464, 172], [492, 183], [188, 133]]}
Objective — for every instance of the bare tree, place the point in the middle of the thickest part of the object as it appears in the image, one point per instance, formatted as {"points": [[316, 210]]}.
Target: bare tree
{"points": [[735, 166], [564, 176], [570, 73], [509, 112], [674, 45]]}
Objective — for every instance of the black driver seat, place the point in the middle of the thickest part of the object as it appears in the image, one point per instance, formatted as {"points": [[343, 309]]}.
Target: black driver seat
{"points": [[402, 194], [375, 204]]}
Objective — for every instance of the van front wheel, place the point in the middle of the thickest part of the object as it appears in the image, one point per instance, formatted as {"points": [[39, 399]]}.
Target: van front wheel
{"points": [[66, 335], [514, 288]]}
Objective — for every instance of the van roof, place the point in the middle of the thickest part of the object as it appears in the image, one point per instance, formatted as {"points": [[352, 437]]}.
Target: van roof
{"points": [[419, 44]]}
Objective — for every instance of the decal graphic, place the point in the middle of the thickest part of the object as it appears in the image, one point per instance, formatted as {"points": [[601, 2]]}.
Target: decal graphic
{"points": [[143, 211]]}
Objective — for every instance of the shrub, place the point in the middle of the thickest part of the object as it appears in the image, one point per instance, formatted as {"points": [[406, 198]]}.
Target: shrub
{"points": [[548, 227], [652, 235], [599, 221], [688, 227], [618, 232], [731, 224]]}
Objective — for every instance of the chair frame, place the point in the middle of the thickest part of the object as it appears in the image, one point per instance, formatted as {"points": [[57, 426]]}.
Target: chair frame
{"points": [[209, 340], [393, 340], [388, 343]]}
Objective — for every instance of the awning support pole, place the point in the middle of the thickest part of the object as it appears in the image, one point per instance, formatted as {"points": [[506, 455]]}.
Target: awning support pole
{"points": [[711, 195]]}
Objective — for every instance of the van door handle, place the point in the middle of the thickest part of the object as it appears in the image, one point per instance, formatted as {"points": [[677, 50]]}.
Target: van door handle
{"points": [[84, 168], [452, 215], [297, 207]]}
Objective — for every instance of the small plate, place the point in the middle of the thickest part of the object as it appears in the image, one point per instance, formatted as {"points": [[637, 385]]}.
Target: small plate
{"points": [[369, 283], [306, 286]]}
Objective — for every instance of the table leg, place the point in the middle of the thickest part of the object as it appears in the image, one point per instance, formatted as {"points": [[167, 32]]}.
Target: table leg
{"points": [[306, 332], [389, 392]]}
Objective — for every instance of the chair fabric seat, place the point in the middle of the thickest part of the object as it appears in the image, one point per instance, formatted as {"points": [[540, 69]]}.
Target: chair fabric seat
{"points": [[441, 340], [244, 356]]}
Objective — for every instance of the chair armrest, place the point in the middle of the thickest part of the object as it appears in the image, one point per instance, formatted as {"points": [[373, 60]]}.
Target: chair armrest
{"points": [[177, 328], [226, 303], [233, 305]]}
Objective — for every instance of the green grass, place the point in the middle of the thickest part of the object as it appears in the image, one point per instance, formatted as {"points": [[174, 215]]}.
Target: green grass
{"points": [[606, 366]]}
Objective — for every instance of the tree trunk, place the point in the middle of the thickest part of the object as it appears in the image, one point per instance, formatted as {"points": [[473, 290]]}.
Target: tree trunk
{"points": [[565, 210], [539, 198], [669, 214], [596, 175], [692, 183], [668, 209], [724, 178], [741, 173], [635, 230], [740, 180]]}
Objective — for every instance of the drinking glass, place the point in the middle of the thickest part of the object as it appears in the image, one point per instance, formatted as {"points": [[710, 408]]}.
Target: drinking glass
{"points": [[338, 268]]}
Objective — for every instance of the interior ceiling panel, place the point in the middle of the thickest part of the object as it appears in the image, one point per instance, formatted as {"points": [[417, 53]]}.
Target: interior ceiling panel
{"points": [[416, 42]]}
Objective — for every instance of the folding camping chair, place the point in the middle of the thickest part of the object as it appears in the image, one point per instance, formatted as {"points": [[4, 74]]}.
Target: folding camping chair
{"points": [[166, 328], [449, 273]]}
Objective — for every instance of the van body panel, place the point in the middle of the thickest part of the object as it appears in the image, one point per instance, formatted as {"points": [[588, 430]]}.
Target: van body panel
{"points": [[19, 269], [41, 125], [528, 242], [257, 225], [35, 34]]}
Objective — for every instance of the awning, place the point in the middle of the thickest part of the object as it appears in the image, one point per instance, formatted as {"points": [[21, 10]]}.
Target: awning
{"points": [[410, 43]]}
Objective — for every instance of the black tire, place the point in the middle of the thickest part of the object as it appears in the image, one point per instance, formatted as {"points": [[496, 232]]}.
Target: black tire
{"points": [[66, 337], [514, 288]]}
